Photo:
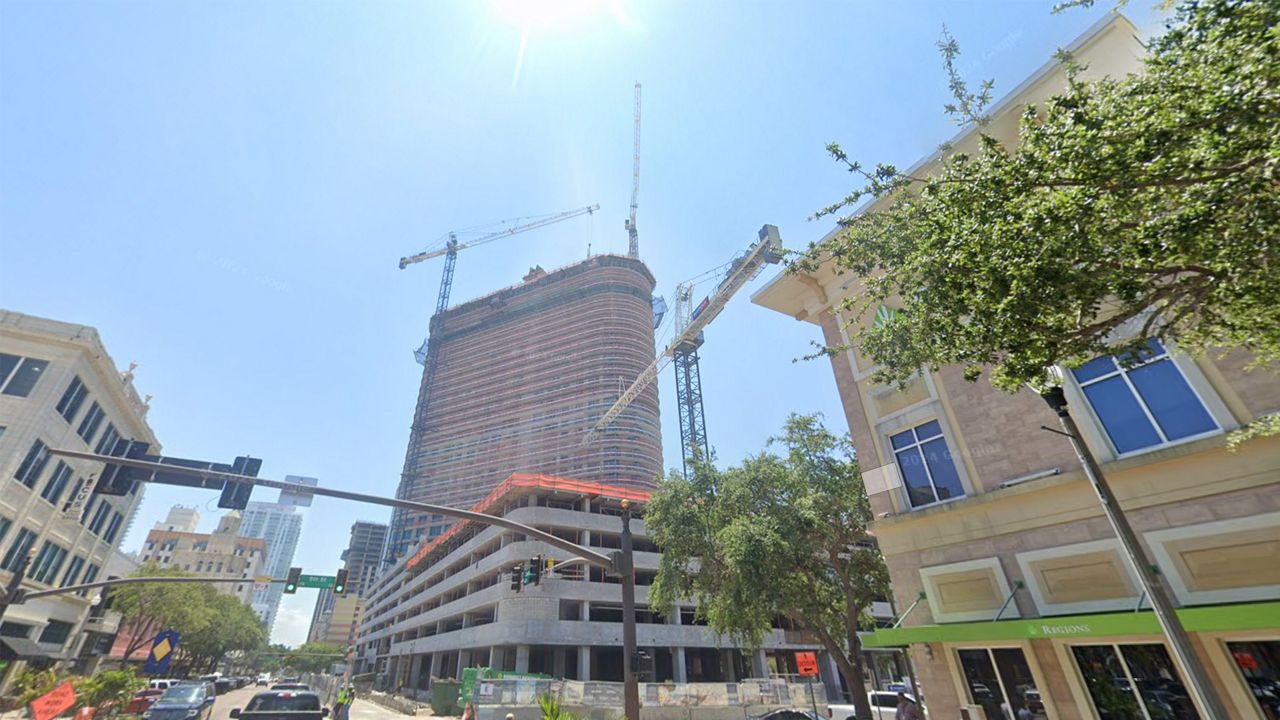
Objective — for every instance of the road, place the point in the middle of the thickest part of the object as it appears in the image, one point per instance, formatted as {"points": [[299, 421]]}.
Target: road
{"points": [[362, 710]]}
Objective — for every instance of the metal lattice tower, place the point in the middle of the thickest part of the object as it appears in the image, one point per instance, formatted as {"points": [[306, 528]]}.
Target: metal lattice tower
{"points": [[693, 422]]}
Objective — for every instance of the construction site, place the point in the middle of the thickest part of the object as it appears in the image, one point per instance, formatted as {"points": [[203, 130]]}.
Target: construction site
{"points": [[538, 402]]}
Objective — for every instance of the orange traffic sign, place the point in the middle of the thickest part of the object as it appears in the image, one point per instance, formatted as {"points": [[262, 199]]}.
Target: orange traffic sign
{"points": [[807, 663], [55, 701]]}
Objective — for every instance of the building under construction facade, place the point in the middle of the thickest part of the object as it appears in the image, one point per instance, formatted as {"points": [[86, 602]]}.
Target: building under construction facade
{"points": [[520, 377]]}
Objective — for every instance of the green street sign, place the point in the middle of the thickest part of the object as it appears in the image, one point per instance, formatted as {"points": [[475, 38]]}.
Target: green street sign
{"points": [[315, 581]]}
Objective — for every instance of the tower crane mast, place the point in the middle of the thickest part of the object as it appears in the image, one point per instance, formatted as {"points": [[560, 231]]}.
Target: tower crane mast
{"points": [[691, 321], [633, 236]]}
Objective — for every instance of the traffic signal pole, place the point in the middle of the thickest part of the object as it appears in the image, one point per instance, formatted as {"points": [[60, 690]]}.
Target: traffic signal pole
{"points": [[591, 556], [134, 581]]}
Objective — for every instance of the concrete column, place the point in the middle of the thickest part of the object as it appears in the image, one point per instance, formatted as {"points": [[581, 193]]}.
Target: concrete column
{"points": [[497, 656], [522, 658], [415, 664], [759, 665], [829, 672], [584, 662], [428, 669], [464, 659], [678, 665], [730, 667], [557, 664]]}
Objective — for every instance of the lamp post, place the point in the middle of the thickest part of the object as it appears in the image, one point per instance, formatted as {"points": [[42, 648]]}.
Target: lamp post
{"points": [[1183, 651], [630, 689]]}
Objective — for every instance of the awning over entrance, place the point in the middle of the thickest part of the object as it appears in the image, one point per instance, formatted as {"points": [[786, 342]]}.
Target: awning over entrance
{"points": [[1249, 616]]}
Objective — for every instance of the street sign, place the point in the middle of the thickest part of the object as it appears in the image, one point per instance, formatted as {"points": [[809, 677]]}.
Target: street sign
{"points": [[316, 581], [51, 704], [161, 653], [807, 663], [265, 579]]}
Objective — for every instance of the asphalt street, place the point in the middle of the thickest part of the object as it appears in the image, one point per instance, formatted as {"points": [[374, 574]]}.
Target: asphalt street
{"points": [[361, 710]]}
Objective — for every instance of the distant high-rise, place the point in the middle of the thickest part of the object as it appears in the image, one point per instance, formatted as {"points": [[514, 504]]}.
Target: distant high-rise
{"points": [[361, 560], [280, 525], [180, 519], [522, 374]]}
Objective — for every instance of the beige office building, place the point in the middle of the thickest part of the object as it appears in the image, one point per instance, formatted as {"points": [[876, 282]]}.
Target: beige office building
{"points": [[1018, 601], [221, 553]]}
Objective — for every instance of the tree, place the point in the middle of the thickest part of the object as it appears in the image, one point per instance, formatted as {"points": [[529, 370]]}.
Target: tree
{"points": [[779, 536], [221, 624], [314, 657], [1128, 208], [148, 608]]}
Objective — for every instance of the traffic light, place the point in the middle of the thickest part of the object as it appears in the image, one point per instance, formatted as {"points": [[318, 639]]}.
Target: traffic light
{"points": [[517, 574], [117, 479], [291, 580], [235, 493], [340, 582], [536, 565]]}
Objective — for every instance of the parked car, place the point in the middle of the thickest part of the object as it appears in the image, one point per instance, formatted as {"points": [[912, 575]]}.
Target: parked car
{"points": [[162, 683], [884, 706], [292, 686], [142, 701], [184, 701], [282, 705], [264, 679], [223, 685], [789, 714]]}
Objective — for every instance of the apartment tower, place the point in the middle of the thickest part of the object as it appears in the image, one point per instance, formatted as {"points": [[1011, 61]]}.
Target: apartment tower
{"points": [[521, 376]]}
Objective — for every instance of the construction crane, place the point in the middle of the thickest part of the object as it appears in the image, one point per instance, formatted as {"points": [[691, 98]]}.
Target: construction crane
{"points": [[450, 252], [633, 236], [683, 350]]}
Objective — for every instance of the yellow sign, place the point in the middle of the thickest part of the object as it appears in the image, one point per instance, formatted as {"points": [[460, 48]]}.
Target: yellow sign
{"points": [[262, 578], [162, 649]]}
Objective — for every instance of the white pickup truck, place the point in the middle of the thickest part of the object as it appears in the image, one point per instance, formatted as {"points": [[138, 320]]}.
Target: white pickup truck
{"points": [[884, 705]]}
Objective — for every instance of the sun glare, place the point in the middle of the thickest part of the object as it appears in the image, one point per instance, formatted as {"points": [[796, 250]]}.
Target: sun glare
{"points": [[538, 17]]}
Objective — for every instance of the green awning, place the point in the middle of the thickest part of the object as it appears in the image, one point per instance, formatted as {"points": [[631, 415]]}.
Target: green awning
{"points": [[1247, 616]]}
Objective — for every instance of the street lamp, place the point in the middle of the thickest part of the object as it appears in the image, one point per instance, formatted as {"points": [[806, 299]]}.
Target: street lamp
{"points": [[1197, 676]]}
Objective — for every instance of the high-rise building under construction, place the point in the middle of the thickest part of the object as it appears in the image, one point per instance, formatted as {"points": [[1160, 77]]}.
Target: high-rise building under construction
{"points": [[521, 375]]}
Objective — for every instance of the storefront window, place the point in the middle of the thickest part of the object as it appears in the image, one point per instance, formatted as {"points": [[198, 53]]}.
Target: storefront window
{"points": [[1259, 663], [1000, 680], [1133, 682]]}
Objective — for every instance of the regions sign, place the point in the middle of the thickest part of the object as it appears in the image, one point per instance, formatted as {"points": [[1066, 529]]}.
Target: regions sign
{"points": [[161, 653]]}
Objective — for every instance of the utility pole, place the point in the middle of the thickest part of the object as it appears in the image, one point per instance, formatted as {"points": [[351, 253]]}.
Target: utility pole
{"points": [[1183, 651], [630, 688]]}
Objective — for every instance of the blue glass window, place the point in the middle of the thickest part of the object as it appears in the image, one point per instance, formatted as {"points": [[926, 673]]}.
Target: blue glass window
{"points": [[928, 470], [1143, 401]]}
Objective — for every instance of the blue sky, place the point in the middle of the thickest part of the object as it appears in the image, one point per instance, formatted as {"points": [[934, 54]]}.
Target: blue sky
{"points": [[223, 190]]}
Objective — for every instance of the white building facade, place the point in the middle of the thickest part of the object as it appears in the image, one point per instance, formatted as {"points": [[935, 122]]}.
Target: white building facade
{"points": [[58, 389], [280, 526]]}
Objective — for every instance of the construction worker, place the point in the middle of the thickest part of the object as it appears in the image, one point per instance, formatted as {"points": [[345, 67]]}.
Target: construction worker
{"points": [[342, 702]]}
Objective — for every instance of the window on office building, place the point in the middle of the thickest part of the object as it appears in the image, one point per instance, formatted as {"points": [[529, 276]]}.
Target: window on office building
{"points": [[57, 483], [5, 524], [113, 528], [1258, 662], [55, 633], [18, 549], [108, 441], [72, 398], [928, 470], [18, 375], [1143, 401], [89, 576], [99, 518], [32, 464], [48, 562], [89, 425], [73, 571]]}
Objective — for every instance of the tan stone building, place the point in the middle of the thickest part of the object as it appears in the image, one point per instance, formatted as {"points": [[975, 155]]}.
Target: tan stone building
{"points": [[341, 622], [1015, 592], [221, 553]]}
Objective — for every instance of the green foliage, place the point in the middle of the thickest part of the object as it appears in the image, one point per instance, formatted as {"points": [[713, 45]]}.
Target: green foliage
{"points": [[109, 686], [314, 657], [1264, 426], [781, 535], [1132, 207], [551, 709], [33, 683]]}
